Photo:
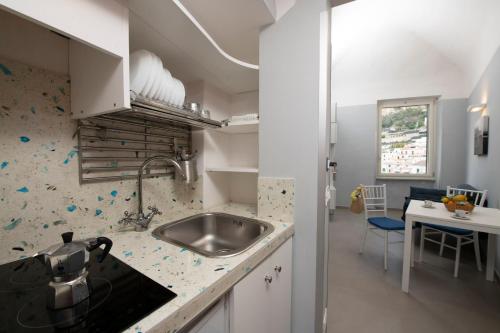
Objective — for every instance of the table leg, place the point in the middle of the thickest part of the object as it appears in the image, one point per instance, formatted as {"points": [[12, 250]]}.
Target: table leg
{"points": [[413, 250], [405, 283], [490, 260]]}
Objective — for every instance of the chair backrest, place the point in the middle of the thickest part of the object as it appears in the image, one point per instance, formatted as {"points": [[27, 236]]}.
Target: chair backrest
{"points": [[478, 197], [374, 199]]}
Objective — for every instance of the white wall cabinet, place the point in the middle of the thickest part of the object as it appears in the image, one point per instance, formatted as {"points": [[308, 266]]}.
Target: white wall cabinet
{"points": [[100, 24], [261, 302], [98, 48]]}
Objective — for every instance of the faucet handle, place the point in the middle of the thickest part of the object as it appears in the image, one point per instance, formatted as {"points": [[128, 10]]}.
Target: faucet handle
{"points": [[127, 218], [154, 210]]}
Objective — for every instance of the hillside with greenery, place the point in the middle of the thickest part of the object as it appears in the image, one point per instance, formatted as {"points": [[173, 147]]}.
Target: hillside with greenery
{"points": [[404, 118]]}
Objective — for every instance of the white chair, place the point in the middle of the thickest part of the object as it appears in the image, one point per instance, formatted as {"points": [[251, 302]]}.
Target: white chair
{"points": [[463, 236], [375, 202]]}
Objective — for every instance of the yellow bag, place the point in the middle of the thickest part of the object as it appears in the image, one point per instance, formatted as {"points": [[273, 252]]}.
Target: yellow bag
{"points": [[357, 206]]}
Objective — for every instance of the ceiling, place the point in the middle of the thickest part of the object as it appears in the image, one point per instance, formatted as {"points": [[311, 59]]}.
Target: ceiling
{"points": [[233, 24], [216, 41], [162, 28], [405, 48]]}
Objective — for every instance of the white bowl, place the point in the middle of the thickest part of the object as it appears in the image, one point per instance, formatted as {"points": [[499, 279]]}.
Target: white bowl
{"points": [[139, 70]]}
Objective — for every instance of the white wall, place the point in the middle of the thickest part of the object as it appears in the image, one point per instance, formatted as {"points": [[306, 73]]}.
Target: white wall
{"points": [[244, 103], [483, 171], [452, 123], [221, 104], [289, 100], [31, 44], [210, 97], [356, 151]]}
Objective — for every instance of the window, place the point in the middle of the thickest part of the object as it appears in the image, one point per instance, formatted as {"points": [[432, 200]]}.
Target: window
{"points": [[406, 138]]}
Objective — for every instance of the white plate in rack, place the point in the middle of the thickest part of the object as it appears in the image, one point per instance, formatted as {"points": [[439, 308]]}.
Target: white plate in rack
{"points": [[182, 94], [155, 77], [179, 93], [148, 72], [140, 61], [174, 100], [162, 93], [168, 86]]}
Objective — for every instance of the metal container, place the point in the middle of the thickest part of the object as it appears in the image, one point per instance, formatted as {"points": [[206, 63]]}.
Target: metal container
{"points": [[205, 113], [190, 172], [194, 107]]}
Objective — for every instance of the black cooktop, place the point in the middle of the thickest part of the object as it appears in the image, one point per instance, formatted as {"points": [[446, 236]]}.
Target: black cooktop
{"points": [[120, 297]]}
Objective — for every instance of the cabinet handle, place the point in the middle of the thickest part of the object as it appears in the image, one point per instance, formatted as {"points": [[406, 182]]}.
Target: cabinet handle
{"points": [[277, 269], [268, 279]]}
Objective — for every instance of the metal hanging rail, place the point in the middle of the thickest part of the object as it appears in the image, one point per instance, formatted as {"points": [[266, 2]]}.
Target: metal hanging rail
{"points": [[112, 149]]}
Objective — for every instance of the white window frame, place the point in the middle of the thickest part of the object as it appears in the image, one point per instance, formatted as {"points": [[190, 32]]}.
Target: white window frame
{"points": [[431, 148]]}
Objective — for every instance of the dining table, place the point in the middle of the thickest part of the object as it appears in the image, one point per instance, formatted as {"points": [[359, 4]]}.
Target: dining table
{"points": [[482, 219]]}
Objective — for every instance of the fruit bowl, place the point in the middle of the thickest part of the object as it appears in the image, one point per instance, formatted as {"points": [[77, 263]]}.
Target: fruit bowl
{"points": [[459, 202], [461, 205]]}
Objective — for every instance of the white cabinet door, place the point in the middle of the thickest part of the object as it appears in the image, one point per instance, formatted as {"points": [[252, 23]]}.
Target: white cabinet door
{"points": [[281, 287], [263, 305], [250, 302], [215, 320]]}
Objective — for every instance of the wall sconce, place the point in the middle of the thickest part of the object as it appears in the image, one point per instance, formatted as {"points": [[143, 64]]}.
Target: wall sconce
{"points": [[476, 107]]}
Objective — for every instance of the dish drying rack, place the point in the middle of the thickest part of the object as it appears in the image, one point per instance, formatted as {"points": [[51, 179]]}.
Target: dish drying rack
{"points": [[148, 109], [112, 147]]}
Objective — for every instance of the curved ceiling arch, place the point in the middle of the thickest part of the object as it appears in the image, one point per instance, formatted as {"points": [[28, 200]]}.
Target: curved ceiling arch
{"points": [[404, 48], [188, 14]]}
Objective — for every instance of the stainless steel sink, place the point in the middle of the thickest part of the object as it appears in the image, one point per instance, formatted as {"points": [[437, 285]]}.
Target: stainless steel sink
{"points": [[214, 234]]}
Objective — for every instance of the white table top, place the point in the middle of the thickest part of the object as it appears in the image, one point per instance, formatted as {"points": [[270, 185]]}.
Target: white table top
{"points": [[482, 219]]}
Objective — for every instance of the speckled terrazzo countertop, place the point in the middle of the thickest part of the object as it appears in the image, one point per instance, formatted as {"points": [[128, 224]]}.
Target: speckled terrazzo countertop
{"points": [[197, 280]]}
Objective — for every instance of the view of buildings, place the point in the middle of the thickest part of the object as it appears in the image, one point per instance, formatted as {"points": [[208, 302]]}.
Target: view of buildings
{"points": [[404, 140]]}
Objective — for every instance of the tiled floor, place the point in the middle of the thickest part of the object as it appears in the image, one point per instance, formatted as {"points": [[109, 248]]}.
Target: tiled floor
{"points": [[365, 298]]}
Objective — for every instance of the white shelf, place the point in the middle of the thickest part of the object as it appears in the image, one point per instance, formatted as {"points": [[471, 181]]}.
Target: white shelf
{"points": [[241, 127], [232, 169]]}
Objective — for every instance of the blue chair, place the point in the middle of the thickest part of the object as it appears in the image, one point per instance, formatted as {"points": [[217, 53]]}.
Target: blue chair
{"points": [[463, 236], [375, 203]]}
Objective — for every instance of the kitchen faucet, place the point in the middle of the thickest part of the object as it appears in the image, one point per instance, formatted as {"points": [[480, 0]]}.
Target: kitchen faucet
{"points": [[140, 220]]}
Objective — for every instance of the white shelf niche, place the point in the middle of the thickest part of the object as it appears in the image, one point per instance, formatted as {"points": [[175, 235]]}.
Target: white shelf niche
{"points": [[241, 127], [232, 169]]}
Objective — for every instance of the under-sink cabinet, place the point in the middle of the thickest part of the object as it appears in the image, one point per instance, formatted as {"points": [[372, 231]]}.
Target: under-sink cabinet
{"points": [[213, 320], [260, 302]]}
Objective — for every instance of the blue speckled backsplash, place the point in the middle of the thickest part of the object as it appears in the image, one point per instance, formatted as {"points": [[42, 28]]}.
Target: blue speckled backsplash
{"points": [[40, 196]]}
